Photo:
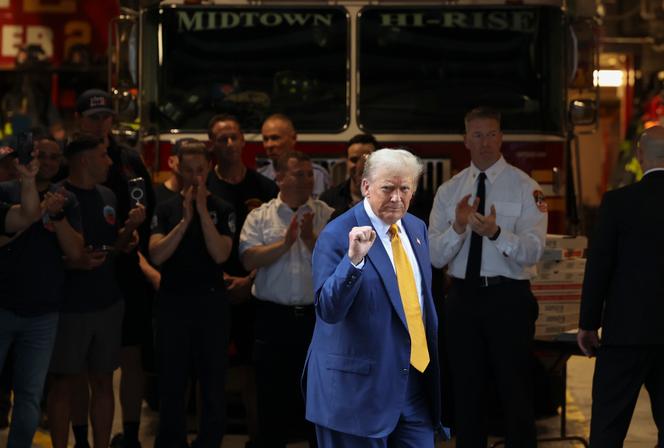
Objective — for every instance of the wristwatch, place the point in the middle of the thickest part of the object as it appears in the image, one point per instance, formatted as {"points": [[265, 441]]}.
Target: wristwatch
{"points": [[495, 236], [59, 216]]}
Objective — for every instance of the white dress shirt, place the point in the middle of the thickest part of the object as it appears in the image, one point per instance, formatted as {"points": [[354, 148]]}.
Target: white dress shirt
{"points": [[522, 223], [383, 233], [288, 281], [322, 179]]}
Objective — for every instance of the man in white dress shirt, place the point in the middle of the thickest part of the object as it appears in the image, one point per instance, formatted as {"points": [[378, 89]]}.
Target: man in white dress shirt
{"points": [[488, 225], [277, 240]]}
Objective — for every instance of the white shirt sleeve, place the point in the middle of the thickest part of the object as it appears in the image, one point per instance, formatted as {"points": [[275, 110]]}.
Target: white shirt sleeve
{"points": [[251, 234], [444, 241], [526, 243]]}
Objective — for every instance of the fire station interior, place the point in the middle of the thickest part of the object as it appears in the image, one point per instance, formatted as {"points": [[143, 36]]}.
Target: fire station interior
{"points": [[618, 86]]}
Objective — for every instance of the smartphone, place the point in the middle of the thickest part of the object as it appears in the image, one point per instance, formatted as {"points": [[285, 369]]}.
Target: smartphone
{"points": [[24, 147], [137, 190]]}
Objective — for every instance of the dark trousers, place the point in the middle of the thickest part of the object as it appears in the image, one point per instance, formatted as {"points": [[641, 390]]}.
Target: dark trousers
{"points": [[620, 371], [283, 334], [191, 330], [414, 429], [489, 333]]}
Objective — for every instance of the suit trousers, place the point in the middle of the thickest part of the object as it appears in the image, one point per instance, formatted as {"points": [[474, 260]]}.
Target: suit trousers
{"points": [[488, 334], [620, 371], [283, 335], [414, 429]]}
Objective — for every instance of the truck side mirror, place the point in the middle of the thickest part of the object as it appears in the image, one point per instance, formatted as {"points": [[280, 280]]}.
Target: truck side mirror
{"points": [[582, 112]]}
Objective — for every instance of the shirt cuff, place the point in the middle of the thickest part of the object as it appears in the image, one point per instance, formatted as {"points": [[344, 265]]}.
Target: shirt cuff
{"points": [[360, 265]]}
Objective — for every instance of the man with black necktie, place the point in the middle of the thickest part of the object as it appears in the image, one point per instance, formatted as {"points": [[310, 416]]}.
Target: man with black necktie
{"points": [[490, 244], [622, 293]]}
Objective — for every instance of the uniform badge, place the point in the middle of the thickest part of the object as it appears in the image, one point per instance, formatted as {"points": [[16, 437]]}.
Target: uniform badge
{"points": [[213, 217], [109, 215], [231, 222], [540, 202], [154, 223]]}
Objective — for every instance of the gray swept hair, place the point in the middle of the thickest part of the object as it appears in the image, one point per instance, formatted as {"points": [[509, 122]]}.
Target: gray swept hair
{"points": [[394, 161]]}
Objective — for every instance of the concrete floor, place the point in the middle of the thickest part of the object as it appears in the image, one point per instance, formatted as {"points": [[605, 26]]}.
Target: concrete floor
{"points": [[642, 433]]}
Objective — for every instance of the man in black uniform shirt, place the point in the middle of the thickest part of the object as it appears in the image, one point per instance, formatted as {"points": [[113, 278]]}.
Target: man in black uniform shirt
{"points": [[136, 278], [89, 331], [246, 190], [348, 193], [172, 186], [191, 238], [32, 276]]}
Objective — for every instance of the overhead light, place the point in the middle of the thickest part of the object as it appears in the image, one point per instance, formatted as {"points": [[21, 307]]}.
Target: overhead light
{"points": [[609, 78]]}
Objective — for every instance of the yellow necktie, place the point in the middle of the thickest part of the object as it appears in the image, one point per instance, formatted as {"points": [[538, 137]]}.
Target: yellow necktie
{"points": [[419, 353]]}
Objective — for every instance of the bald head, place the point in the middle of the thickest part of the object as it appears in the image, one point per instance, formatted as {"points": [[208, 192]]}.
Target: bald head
{"points": [[279, 136], [651, 148]]}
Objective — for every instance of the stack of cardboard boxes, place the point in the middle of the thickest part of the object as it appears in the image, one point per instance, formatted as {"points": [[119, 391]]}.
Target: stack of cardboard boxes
{"points": [[557, 285]]}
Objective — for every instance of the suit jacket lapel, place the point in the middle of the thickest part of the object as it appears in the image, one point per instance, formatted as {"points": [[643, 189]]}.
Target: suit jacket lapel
{"points": [[379, 258]]}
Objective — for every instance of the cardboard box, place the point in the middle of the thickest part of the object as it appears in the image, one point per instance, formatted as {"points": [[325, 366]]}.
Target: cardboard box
{"points": [[570, 264], [563, 276], [559, 306], [566, 242], [550, 331], [557, 318]]}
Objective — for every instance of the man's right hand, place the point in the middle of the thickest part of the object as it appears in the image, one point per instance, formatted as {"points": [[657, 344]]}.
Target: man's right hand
{"points": [[588, 341], [463, 213], [360, 240]]}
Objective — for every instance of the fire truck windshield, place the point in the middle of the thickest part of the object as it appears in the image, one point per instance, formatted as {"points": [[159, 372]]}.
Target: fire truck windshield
{"points": [[249, 62], [422, 68]]}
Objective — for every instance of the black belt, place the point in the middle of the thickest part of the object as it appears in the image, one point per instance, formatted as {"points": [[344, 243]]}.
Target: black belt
{"points": [[292, 310], [492, 281]]}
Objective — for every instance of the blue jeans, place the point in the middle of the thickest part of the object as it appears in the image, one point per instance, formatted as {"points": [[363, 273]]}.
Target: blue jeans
{"points": [[33, 339]]}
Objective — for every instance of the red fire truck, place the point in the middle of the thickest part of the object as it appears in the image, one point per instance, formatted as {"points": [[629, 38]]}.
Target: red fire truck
{"points": [[405, 71]]}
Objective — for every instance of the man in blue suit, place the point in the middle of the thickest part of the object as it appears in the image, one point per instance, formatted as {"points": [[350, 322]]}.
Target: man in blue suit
{"points": [[372, 376]]}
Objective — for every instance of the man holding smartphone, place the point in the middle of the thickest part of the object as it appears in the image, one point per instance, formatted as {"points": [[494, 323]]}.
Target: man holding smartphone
{"points": [[89, 331], [135, 277], [191, 238]]}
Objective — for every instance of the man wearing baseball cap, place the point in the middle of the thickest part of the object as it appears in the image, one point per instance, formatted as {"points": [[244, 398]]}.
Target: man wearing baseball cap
{"points": [[136, 278]]}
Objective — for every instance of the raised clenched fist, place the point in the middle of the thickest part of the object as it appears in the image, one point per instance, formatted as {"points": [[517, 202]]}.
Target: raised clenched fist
{"points": [[360, 240]]}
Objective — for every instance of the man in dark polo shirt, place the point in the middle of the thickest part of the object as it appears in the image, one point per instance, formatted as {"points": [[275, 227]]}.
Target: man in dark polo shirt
{"points": [[31, 280], [89, 331], [246, 189], [191, 238]]}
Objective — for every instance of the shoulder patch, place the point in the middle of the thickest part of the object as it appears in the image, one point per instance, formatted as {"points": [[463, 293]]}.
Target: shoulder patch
{"points": [[109, 215], [154, 223], [540, 202]]}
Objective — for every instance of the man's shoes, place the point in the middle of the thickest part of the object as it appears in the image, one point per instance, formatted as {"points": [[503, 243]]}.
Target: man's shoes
{"points": [[118, 441]]}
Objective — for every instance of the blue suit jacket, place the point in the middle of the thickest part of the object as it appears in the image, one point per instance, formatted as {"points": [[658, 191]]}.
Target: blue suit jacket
{"points": [[358, 363]]}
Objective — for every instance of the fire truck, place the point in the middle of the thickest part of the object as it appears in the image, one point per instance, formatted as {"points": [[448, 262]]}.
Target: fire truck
{"points": [[405, 71]]}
